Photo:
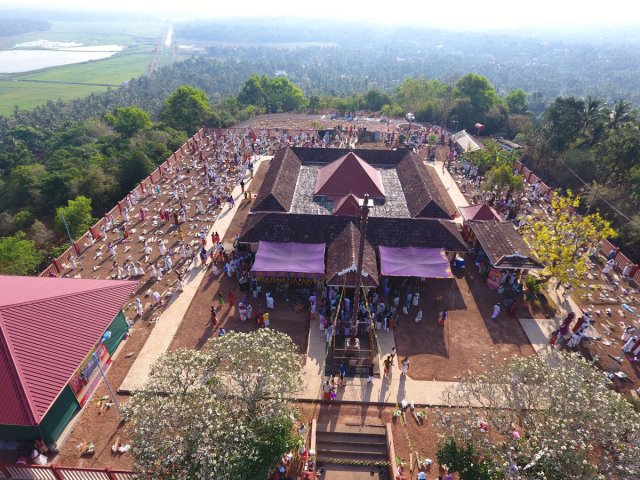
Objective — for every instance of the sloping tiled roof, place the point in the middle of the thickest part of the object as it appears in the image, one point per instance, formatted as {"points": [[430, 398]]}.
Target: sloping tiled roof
{"points": [[426, 196], [504, 246], [349, 174], [479, 212], [393, 232], [47, 328], [279, 184], [342, 260], [322, 156]]}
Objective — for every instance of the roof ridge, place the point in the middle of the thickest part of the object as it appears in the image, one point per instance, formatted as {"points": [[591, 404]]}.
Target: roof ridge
{"points": [[121, 283], [23, 390]]}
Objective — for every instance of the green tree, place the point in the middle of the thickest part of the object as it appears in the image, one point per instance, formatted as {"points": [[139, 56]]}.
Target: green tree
{"points": [[133, 168], [128, 120], [252, 92], [18, 256], [374, 100], [517, 101], [480, 93], [502, 179], [563, 121], [466, 461], [78, 216], [223, 413], [314, 103], [186, 109], [281, 95]]}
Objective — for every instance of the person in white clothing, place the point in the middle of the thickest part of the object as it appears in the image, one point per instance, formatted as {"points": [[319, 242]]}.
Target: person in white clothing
{"points": [[496, 311]]}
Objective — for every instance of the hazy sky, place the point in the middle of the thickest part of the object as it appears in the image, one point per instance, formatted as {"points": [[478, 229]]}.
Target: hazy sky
{"points": [[456, 13]]}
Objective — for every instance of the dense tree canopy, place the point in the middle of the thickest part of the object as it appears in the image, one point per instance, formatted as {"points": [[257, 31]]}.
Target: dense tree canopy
{"points": [[186, 109], [223, 413], [274, 95], [77, 215], [128, 120], [18, 255]]}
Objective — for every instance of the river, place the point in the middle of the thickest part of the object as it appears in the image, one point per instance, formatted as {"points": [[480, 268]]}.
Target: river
{"points": [[19, 60]]}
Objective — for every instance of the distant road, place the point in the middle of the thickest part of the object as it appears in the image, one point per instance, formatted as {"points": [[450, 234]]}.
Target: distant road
{"points": [[70, 83]]}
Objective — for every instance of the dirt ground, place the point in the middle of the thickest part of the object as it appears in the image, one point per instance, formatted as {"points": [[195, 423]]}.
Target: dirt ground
{"points": [[445, 354]]}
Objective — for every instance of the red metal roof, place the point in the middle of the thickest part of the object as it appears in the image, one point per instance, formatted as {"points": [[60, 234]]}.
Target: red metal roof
{"points": [[349, 174], [47, 328]]}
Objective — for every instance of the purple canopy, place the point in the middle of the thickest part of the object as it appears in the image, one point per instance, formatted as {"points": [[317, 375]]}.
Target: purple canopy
{"points": [[275, 259], [414, 262]]}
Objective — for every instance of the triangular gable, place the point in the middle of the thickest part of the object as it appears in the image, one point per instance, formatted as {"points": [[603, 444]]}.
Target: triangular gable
{"points": [[269, 204], [349, 174], [347, 206], [433, 210]]}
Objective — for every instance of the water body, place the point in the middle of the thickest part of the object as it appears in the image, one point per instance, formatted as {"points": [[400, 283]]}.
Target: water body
{"points": [[20, 60]]}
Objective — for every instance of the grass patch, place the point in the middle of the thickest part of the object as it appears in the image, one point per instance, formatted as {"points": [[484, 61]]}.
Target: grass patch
{"points": [[28, 95], [114, 70]]}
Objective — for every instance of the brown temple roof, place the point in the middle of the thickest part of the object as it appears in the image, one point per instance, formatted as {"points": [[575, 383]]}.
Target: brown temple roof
{"points": [[279, 184], [504, 246], [393, 232], [349, 174], [342, 260], [425, 194], [322, 156], [479, 212]]}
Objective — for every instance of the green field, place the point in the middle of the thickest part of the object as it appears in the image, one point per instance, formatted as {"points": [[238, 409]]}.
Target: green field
{"points": [[30, 89], [28, 95]]}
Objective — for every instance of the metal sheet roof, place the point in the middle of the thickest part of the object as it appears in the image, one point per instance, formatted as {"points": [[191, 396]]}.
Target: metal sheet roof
{"points": [[47, 327]]}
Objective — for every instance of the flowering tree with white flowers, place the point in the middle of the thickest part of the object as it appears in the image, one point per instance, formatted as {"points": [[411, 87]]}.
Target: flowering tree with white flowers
{"points": [[221, 413], [553, 416]]}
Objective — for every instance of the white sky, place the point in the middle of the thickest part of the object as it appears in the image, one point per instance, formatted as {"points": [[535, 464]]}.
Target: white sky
{"points": [[491, 14]]}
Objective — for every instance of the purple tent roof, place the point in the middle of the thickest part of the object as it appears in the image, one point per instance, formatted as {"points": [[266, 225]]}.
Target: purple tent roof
{"points": [[414, 262], [279, 259]]}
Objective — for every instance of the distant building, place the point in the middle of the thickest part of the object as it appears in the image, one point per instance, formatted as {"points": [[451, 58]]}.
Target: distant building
{"points": [[465, 142]]}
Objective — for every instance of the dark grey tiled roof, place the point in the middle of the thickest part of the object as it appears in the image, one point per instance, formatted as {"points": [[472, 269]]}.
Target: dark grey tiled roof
{"points": [[278, 186], [504, 246]]}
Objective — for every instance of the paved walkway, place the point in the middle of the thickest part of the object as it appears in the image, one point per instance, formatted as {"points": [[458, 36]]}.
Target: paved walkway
{"points": [[169, 321], [450, 184], [391, 390]]}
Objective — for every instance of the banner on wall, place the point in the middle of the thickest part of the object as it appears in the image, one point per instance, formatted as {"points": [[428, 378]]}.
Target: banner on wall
{"points": [[87, 376]]}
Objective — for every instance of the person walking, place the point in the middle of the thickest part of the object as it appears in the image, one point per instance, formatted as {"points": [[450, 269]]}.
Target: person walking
{"points": [[388, 363], [343, 372], [370, 377], [231, 298], [496, 311], [242, 185], [214, 317], [404, 366], [443, 317], [220, 300]]}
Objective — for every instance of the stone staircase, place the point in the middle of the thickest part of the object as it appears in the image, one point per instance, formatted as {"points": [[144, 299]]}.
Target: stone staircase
{"points": [[351, 452]]}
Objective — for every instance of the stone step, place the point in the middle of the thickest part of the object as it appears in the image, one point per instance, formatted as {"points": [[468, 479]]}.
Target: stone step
{"points": [[351, 429], [339, 438], [372, 457]]}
